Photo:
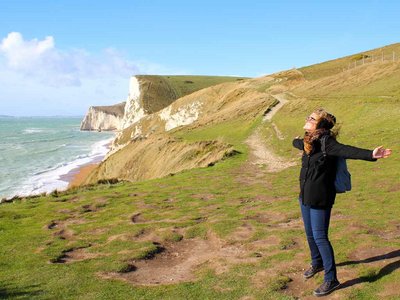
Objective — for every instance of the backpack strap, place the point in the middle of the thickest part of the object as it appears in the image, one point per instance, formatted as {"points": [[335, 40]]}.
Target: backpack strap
{"points": [[323, 143]]}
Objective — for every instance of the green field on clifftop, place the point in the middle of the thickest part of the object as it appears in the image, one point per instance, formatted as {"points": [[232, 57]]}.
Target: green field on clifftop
{"points": [[187, 84]]}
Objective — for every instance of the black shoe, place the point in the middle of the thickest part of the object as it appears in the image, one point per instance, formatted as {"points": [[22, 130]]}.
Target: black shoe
{"points": [[312, 271], [326, 288]]}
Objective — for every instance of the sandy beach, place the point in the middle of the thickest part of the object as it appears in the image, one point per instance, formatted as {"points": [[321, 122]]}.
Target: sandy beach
{"points": [[78, 176]]}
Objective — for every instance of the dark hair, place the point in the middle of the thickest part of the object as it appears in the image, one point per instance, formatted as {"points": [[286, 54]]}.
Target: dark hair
{"points": [[326, 122]]}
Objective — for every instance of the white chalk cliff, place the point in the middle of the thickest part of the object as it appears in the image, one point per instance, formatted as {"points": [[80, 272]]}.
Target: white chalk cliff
{"points": [[134, 110], [107, 118], [119, 116]]}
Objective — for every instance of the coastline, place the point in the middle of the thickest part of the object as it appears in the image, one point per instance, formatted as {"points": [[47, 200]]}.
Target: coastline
{"points": [[46, 154], [77, 176]]}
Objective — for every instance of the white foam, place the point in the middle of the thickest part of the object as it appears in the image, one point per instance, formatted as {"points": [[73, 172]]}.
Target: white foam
{"points": [[32, 130], [49, 180]]}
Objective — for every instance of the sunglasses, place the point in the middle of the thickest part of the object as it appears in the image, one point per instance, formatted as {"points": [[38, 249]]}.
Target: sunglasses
{"points": [[310, 119]]}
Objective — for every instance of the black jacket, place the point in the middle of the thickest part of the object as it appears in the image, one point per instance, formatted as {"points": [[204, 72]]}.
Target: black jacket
{"points": [[317, 174]]}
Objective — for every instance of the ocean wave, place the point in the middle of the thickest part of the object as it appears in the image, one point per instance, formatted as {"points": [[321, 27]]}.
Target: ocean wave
{"points": [[33, 130], [47, 140], [50, 168], [7, 145], [55, 149], [49, 179]]}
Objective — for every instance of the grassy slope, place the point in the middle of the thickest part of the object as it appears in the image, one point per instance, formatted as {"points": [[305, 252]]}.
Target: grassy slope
{"points": [[160, 91], [366, 218], [187, 84], [336, 66]]}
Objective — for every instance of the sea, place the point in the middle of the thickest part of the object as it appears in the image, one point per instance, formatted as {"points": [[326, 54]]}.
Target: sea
{"points": [[38, 153]]}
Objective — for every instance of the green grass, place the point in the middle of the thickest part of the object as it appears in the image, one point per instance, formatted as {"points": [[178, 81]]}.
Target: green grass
{"points": [[186, 84], [232, 132]]}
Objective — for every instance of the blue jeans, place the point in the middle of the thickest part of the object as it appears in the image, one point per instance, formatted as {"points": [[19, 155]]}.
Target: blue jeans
{"points": [[316, 225]]}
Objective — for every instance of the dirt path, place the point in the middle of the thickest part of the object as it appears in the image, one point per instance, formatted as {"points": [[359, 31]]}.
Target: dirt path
{"points": [[282, 101], [261, 155], [259, 152]]}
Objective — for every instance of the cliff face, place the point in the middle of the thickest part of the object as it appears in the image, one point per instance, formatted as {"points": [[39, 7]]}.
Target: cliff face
{"points": [[104, 117], [147, 95], [133, 110]]}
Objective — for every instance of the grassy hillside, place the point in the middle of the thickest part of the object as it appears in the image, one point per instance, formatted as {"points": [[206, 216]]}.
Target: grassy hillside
{"points": [[336, 66], [228, 231]]}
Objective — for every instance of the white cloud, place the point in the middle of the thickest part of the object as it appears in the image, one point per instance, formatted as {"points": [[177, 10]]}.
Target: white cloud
{"points": [[42, 61], [22, 54]]}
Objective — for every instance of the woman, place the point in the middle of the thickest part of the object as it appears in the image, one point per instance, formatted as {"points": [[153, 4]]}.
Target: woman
{"points": [[317, 190]]}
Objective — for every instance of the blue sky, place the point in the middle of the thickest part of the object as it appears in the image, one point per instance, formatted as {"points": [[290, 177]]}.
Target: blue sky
{"points": [[60, 57]]}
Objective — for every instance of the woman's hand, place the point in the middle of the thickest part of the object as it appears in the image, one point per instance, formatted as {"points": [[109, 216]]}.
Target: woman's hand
{"points": [[380, 152]]}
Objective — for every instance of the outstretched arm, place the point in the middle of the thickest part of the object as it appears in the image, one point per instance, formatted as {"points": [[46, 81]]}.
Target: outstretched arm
{"points": [[335, 148]]}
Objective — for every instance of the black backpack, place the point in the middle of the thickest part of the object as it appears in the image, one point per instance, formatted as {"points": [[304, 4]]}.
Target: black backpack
{"points": [[343, 176]]}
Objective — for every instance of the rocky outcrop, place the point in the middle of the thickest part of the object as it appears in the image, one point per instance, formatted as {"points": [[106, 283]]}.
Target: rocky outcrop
{"points": [[105, 118]]}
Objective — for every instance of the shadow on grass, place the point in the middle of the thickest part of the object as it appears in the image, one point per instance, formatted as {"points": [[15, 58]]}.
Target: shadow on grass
{"points": [[9, 291], [389, 255], [386, 270]]}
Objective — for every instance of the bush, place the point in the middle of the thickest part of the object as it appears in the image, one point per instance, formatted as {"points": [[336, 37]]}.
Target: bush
{"points": [[108, 181], [360, 57]]}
